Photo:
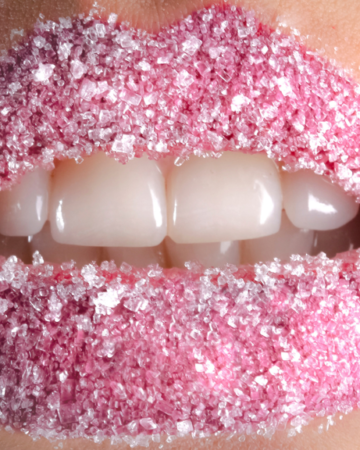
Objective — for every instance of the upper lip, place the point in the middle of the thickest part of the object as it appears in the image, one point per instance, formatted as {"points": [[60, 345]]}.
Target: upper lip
{"points": [[258, 327]]}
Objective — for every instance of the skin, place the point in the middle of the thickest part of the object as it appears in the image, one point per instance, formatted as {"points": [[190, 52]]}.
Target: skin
{"points": [[331, 27]]}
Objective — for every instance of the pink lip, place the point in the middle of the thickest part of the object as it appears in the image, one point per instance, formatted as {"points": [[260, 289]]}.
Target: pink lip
{"points": [[104, 352]]}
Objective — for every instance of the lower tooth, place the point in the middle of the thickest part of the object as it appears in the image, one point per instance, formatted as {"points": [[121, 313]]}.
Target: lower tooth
{"points": [[18, 246], [136, 256], [311, 201], [54, 252], [24, 209], [288, 241], [215, 254]]}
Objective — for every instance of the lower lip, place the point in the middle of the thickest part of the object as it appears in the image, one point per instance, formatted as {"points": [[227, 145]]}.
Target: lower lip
{"points": [[152, 351]]}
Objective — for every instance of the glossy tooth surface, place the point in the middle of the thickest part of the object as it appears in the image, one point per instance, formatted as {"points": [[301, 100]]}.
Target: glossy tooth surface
{"points": [[136, 256], [312, 201], [104, 203], [24, 209], [337, 241], [215, 254], [235, 197], [288, 241], [54, 252]]}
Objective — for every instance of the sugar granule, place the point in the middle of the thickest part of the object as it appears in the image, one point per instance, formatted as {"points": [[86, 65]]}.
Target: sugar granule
{"points": [[108, 353], [216, 81]]}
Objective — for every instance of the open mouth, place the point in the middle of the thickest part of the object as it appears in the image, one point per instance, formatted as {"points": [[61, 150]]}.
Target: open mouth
{"points": [[102, 352]]}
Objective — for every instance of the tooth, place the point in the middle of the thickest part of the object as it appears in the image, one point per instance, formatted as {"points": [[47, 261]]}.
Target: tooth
{"points": [[235, 197], [312, 201], [215, 254], [136, 256], [102, 202], [14, 245], [336, 241], [288, 241], [54, 252], [24, 209]]}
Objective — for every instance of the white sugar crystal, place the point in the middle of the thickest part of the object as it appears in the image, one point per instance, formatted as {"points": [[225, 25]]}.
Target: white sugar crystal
{"points": [[78, 69], [44, 72], [285, 87], [192, 45], [145, 66], [148, 423], [124, 145], [64, 50], [88, 89], [106, 301], [184, 79], [185, 426], [263, 381], [39, 41], [238, 102], [4, 305], [100, 30]]}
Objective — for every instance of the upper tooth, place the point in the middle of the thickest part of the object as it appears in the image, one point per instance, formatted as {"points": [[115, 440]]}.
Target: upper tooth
{"points": [[24, 209], [312, 201], [235, 197], [288, 241], [215, 254], [104, 203]]}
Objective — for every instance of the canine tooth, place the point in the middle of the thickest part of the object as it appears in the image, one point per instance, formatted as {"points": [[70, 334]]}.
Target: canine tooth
{"points": [[136, 256], [102, 202], [54, 252], [312, 201], [235, 197], [24, 209], [215, 254], [288, 241]]}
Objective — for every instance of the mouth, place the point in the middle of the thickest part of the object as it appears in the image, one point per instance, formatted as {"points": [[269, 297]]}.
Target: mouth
{"points": [[99, 351]]}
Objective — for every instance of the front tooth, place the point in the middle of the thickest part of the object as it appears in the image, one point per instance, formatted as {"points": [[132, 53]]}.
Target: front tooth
{"points": [[104, 203], [215, 254], [312, 201], [54, 252], [288, 241], [235, 197], [136, 256], [24, 209]]}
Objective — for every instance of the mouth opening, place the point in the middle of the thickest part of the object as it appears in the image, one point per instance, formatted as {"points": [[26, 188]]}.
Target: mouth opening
{"points": [[237, 209]]}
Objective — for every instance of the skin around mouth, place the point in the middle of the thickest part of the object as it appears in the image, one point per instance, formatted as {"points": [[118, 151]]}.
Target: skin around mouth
{"points": [[242, 350]]}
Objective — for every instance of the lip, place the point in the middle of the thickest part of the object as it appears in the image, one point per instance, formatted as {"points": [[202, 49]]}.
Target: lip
{"points": [[238, 349]]}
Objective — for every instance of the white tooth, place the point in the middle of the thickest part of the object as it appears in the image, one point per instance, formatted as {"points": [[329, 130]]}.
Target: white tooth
{"points": [[337, 241], [136, 256], [235, 197], [24, 209], [102, 202], [288, 241], [215, 254], [54, 252], [15, 245], [312, 201]]}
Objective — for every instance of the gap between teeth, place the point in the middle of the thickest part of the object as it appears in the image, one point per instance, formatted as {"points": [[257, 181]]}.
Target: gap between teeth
{"points": [[236, 209]]}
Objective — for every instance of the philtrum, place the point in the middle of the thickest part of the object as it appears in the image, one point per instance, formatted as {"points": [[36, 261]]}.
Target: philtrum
{"points": [[107, 352]]}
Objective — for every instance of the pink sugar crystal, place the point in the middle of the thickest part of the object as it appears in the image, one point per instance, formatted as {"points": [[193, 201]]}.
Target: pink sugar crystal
{"points": [[102, 352], [216, 81]]}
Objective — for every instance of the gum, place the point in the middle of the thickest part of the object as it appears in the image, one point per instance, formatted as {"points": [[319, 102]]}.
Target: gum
{"points": [[216, 81]]}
